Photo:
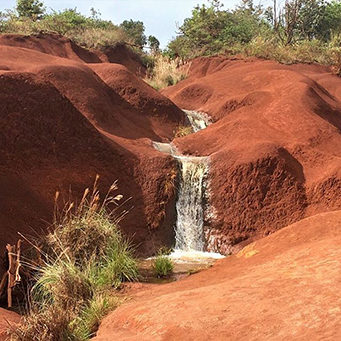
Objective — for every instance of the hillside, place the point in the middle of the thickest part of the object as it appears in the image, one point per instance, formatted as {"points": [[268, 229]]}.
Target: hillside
{"points": [[274, 147], [266, 181], [63, 123]]}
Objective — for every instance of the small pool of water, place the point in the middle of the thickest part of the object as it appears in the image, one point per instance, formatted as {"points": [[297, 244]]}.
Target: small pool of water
{"points": [[185, 264]]}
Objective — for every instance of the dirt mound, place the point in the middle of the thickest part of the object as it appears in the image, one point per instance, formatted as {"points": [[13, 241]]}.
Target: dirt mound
{"points": [[59, 46], [138, 93], [283, 287], [61, 125], [51, 44], [274, 147]]}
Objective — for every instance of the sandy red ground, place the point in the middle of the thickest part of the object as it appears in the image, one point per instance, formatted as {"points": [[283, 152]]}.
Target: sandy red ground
{"points": [[283, 287], [8, 319]]}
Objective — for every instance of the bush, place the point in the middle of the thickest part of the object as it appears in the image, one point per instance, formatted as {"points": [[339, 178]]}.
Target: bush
{"points": [[162, 266], [91, 32], [166, 72], [85, 258], [87, 323]]}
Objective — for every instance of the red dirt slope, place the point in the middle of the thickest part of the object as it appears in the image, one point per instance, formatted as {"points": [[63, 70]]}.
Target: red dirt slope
{"points": [[7, 318], [275, 147], [59, 46], [51, 44], [283, 287], [62, 124]]}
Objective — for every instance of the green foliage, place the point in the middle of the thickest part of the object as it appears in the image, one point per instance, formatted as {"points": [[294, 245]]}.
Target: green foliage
{"points": [[299, 31], [330, 22], [162, 266], [91, 32], [153, 44], [33, 9], [135, 30], [211, 29], [85, 258]]}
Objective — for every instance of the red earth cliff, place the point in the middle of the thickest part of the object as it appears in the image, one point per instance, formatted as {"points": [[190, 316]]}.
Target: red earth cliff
{"points": [[275, 146], [62, 124]]}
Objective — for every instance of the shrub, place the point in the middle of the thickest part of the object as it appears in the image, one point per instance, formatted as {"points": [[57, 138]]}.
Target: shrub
{"points": [[91, 32], [85, 257], [162, 266]]}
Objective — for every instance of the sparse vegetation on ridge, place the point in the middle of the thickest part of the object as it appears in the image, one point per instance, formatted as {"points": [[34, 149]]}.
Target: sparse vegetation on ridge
{"points": [[31, 17], [304, 31], [85, 257]]}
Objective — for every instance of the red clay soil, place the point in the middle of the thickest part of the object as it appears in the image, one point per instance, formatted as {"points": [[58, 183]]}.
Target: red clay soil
{"points": [[62, 124], [283, 287], [275, 147], [59, 46], [7, 319]]}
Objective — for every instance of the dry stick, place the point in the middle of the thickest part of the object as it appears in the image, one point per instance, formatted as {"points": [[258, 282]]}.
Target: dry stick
{"points": [[3, 283], [13, 269], [18, 264], [11, 273]]}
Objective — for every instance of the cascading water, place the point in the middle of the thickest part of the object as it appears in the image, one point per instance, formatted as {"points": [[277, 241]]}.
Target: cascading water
{"points": [[189, 229], [189, 207], [198, 120]]}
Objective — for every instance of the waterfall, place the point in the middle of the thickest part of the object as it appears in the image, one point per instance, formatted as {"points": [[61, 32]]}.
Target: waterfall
{"points": [[189, 207], [198, 120], [189, 229]]}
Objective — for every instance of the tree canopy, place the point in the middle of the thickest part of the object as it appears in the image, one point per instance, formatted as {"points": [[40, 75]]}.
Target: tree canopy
{"points": [[213, 29], [33, 9]]}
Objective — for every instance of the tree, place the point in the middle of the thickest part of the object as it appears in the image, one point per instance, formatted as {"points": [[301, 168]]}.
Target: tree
{"points": [[154, 44], [33, 9], [135, 30], [310, 16], [331, 21]]}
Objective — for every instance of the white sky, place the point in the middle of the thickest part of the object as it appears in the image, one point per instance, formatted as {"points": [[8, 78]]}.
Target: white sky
{"points": [[159, 16]]}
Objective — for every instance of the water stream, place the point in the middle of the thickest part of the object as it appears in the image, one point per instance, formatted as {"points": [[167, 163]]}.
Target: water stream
{"points": [[189, 207], [189, 229]]}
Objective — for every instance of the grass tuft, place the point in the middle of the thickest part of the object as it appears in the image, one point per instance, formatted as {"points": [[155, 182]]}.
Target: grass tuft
{"points": [[162, 266], [85, 258]]}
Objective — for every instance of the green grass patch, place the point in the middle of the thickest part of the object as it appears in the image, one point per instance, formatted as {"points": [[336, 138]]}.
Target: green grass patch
{"points": [[162, 266]]}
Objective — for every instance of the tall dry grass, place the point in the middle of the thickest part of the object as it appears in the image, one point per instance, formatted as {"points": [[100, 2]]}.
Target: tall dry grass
{"points": [[166, 72], [84, 259], [305, 51]]}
